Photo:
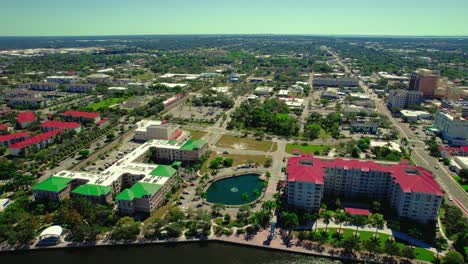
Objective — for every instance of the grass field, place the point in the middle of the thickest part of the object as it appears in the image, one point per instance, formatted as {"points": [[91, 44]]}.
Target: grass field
{"points": [[237, 160], [196, 134], [464, 186], [422, 254], [309, 149], [105, 103], [228, 141]]}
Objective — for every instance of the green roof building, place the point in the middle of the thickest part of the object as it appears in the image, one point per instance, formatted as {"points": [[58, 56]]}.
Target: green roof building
{"points": [[192, 144], [53, 188], [93, 192], [52, 184], [139, 190], [164, 171]]}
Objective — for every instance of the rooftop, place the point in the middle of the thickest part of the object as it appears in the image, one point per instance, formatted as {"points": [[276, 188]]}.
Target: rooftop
{"points": [[36, 139], [26, 117], [75, 113], [52, 184], [307, 168], [138, 190], [92, 189], [60, 125], [192, 144]]}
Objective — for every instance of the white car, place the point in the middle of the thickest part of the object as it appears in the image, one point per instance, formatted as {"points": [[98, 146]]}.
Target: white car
{"points": [[450, 198]]}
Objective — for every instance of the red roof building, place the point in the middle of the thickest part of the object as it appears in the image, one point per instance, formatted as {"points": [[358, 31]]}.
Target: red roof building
{"points": [[24, 119], [310, 178], [53, 125], [6, 140], [80, 116], [356, 211], [40, 140]]}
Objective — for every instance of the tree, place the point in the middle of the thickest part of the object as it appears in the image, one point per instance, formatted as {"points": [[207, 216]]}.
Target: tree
{"points": [[327, 216], [408, 252], [268, 206], [351, 243], [84, 153], [174, 215], [391, 248], [376, 206], [358, 220], [440, 244], [453, 257], [463, 175], [227, 162], [377, 221], [110, 136], [227, 218], [289, 220], [312, 131], [373, 245], [340, 217]]}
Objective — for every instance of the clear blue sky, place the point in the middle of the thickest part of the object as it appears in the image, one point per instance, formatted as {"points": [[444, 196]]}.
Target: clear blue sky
{"points": [[131, 17]]}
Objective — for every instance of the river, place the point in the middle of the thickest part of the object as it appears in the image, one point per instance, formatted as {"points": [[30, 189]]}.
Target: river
{"points": [[205, 252]]}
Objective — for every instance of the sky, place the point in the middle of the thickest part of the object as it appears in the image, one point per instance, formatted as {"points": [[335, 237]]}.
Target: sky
{"points": [[141, 17]]}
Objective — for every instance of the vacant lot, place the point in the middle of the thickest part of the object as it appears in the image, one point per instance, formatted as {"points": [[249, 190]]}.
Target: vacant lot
{"points": [[105, 103], [307, 149], [196, 114], [237, 160], [228, 141], [196, 134]]}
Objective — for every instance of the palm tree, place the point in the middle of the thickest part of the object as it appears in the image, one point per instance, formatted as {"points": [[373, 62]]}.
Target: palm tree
{"points": [[327, 216], [358, 220], [377, 221], [440, 244], [340, 217]]}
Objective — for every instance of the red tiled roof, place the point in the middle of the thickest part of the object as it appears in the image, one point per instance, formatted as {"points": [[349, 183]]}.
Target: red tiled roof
{"points": [[306, 168], [60, 125], [26, 117], [9, 137], [81, 114], [3, 127], [180, 95], [103, 121], [356, 211], [464, 148], [35, 139]]}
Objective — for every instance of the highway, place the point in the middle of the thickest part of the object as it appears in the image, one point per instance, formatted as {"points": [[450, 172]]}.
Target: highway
{"points": [[418, 153]]}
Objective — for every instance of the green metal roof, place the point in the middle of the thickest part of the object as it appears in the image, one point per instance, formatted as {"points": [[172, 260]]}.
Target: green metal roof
{"points": [[164, 171], [172, 142], [92, 189], [52, 184], [138, 190], [125, 195], [176, 163], [192, 144]]}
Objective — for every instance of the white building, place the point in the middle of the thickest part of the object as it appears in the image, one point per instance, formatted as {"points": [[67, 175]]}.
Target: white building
{"points": [[452, 126], [153, 129], [415, 115], [263, 91]]}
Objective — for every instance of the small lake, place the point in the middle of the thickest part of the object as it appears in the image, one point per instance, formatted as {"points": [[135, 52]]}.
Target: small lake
{"points": [[235, 190]]}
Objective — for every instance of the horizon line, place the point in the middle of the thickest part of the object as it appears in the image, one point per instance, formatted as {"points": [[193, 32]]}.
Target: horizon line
{"points": [[237, 34]]}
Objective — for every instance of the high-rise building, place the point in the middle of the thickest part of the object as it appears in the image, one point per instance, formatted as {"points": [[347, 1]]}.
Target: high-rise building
{"points": [[410, 190], [452, 126], [425, 81], [401, 99]]}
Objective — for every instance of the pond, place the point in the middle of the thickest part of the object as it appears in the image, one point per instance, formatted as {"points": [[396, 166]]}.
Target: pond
{"points": [[235, 190]]}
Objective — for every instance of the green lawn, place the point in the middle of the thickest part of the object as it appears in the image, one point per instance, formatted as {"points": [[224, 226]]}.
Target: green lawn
{"points": [[458, 179], [422, 254], [105, 103], [308, 149], [228, 141]]}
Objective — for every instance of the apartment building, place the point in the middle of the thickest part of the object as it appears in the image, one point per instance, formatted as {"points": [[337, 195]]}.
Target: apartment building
{"points": [[410, 190], [54, 125], [452, 127], [401, 99], [79, 88], [40, 141], [39, 86], [80, 116]]}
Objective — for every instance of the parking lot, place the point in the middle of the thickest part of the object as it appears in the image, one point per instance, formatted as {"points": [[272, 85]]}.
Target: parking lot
{"points": [[113, 156], [196, 113]]}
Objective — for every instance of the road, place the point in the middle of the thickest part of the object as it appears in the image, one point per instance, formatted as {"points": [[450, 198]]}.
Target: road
{"points": [[419, 155]]}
